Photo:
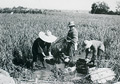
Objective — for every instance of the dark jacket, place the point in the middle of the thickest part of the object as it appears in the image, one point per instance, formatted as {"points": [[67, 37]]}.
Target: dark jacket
{"points": [[73, 35], [38, 47]]}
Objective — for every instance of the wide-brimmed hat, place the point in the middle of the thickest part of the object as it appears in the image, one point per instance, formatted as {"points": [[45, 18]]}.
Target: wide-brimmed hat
{"points": [[87, 43], [47, 37], [71, 23]]}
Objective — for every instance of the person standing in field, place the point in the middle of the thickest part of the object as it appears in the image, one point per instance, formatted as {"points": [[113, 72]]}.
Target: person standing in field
{"points": [[72, 39], [42, 47], [94, 46]]}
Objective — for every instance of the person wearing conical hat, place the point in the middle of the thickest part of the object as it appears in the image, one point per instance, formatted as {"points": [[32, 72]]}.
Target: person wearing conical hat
{"points": [[72, 39], [41, 46], [95, 46]]}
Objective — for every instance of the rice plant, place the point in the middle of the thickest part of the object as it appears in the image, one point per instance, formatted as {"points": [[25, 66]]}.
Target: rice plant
{"points": [[18, 31]]}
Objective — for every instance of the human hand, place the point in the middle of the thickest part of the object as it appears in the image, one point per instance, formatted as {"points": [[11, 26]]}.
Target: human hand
{"points": [[50, 54], [43, 54], [87, 60]]}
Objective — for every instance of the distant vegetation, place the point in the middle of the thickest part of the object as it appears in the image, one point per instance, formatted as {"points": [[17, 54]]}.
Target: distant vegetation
{"points": [[25, 10], [96, 8], [103, 8]]}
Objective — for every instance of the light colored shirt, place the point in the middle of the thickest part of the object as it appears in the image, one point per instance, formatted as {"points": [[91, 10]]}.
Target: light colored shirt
{"points": [[98, 44]]}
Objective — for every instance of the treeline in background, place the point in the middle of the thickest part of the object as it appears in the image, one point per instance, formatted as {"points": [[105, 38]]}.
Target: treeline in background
{"points": [[103, 8], [25, 10], [96, 8]]}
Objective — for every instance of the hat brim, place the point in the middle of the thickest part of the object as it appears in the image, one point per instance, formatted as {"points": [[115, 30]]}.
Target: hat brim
{"points": [[46, 38], [71, 25]]}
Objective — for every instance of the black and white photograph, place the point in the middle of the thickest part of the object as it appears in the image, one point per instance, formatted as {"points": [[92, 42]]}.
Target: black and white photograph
{"points": [[59, 41]]}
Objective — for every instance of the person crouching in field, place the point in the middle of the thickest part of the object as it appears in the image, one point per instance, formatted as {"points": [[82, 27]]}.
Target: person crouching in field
{"points": [[41, 47], [96, 47], [72, 39]]}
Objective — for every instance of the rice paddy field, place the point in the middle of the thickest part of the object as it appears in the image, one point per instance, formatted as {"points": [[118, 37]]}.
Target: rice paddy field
{"points": [[18, 32]]}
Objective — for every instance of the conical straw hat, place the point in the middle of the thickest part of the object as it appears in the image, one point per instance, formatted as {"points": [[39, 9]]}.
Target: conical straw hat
{"points": [[47, 37]]}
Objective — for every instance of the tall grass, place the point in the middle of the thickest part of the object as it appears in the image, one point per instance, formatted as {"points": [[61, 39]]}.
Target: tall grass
{"points": [[18, 31]]}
